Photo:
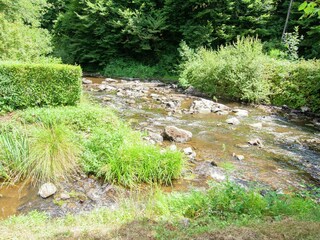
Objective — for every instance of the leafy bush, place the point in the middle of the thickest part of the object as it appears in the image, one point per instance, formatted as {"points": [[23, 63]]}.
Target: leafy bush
{"points": [[29, 85], [296, 84], [21, 37], [235, 71], [118, 155], [242, 72]]}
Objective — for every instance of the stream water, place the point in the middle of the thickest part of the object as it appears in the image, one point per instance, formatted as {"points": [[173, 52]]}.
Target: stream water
{"points": [[288, 159]]}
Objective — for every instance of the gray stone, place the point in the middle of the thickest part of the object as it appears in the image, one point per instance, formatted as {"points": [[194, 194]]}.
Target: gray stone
{"points": [[256, 125], [102, 87], [173, 147], [173, 133], [238, 157], [256, 142], [64, 196], [189, 152], [155, 137], [305, 109], [241, 112], [110, 80], [47, 190], [233, 121], [223, 113], [86, 81]]}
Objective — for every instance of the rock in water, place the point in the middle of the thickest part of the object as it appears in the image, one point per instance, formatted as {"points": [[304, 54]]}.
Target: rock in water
{"points": [[173, 133], [156, 137], [241, 112], [86, 81], [256, 125], [233, 121], [189, 152], [256, 142], [206, 106], [47, 190]]}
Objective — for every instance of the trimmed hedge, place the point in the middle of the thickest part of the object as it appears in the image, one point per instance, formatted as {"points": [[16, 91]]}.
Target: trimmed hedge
{"points": [[25, 85]]}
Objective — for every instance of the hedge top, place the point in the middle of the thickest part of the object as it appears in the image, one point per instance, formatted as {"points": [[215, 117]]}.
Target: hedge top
{"points": [[30, 84]]}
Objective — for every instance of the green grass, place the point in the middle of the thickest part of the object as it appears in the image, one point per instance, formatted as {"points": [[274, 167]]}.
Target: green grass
{"points": [[87, 138], [121, 156], [14, 149], [224, 210]]}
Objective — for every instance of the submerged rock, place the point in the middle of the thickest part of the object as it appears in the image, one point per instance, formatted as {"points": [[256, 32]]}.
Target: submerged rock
{"points": [[173, 133], [47, 190]]}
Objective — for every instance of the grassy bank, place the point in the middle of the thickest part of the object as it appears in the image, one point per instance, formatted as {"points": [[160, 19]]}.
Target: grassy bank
{"points": [[51, 144], [225, 211]]}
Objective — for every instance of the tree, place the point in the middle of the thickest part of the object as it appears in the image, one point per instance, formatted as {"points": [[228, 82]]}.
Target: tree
{"points": [[21, 37]]}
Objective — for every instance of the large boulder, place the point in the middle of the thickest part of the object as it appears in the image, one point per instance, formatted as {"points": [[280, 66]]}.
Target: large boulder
{"points": [[173, 133]]}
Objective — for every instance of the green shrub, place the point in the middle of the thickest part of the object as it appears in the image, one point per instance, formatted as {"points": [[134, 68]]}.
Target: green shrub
{"points": [[296, 84], [235, 71], [119, 155], [30, 85], [242, 72]]}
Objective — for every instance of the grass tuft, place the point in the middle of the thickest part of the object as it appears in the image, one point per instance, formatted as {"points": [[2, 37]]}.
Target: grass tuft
{"points": [[53, 154]]}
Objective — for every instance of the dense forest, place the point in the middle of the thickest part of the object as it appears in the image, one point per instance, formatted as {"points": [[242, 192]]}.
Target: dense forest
{"points": [[95, 33]]}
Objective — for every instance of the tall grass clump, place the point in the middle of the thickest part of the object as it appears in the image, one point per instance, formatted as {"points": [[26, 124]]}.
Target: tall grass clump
{"points": [[53, 154], [14, 151], [236, 71], [121, 156]]}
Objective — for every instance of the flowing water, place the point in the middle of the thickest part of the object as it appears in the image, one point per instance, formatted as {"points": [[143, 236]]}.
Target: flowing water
{"points": [[289, 158]]}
